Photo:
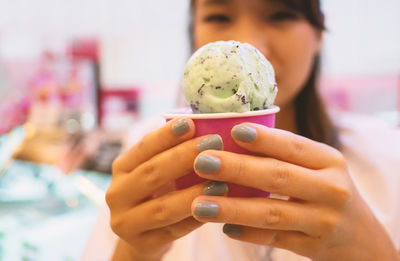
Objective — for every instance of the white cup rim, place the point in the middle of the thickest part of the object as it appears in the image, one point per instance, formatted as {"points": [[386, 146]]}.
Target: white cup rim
{"points": [[187, 112]]}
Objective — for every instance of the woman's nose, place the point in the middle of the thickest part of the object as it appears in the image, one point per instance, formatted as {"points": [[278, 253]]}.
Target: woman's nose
{"points": [[262, 46], [256, 37]]}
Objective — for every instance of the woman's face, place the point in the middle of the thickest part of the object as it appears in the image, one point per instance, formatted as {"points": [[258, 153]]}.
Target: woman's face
{"points": [[285, 37]]}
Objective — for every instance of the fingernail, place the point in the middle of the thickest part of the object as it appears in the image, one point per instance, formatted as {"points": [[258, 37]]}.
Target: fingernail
{"points": [[205, 209], [216, 188], [180, 127], [232, 230], [244, 133], [212, 142], [207, 164]]}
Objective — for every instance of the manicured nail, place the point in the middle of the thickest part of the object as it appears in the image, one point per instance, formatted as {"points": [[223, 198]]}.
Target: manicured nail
{"points": [[216, 188], [233, 230], [207, 164], [212, 142], [205, 209], [180, 127], [244, 133]]}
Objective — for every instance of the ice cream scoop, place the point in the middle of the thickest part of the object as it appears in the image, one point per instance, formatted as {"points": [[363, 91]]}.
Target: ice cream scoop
{"points": [[229, 76]]}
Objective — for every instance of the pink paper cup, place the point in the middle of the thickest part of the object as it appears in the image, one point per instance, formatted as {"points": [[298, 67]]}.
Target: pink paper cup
{"points": [[222, 124]]}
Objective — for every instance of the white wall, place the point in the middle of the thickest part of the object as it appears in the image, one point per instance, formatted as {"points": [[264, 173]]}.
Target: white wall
{"points": [[363, 37], [140, 36], [142, 40], [145, 41]]}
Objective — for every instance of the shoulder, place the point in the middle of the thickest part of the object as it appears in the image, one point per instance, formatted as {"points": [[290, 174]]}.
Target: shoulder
{"points": [[367, 135], [371, 149], [369, 146]]}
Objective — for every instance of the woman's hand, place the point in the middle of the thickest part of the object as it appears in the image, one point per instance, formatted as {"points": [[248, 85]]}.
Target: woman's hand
{"points": [[147, 223], [325, 218]]}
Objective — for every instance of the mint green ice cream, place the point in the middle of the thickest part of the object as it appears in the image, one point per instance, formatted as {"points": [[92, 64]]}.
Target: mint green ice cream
{"points": [[229, 76]]}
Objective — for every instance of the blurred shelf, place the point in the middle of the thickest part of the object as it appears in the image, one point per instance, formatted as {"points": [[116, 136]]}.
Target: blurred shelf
{"points": [[45, 214], [9, 143]]}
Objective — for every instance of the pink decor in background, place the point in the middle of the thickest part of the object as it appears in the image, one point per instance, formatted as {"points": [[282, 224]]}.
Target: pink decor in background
{"points": [[68, 79], [120, 107], [15, 94], [85, 49], [365, 94], [88, 50]]}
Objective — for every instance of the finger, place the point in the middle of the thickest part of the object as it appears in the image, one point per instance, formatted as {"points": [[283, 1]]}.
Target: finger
{"points": [[294, 241], [284, 145], [263, 213], [156, 213], [171, 134], [159, 171], [170, 233], [267, 174]]}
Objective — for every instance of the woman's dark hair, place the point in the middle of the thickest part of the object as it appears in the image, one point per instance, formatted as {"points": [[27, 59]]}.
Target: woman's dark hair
{"points": [[312, 119]]}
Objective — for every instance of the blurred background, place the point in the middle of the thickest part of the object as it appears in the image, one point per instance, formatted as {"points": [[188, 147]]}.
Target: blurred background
{"points": [[75, 75]]}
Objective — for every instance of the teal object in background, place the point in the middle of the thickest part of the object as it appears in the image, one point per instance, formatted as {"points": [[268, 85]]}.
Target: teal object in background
{"points": [[46, 215], [9, 142]]}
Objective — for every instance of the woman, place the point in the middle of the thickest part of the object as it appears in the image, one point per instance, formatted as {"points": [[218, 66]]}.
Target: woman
{"points": [[326, 218]]}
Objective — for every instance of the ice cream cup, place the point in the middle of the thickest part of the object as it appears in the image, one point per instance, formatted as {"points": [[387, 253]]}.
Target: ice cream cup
{"points": [[222, 124]]}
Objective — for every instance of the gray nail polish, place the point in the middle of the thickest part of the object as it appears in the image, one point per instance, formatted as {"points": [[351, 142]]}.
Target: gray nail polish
{"points": [[207, 164], [233, 230], [216, 188], [212, 142], [244, 133], [206, 209], [180, 127]]}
